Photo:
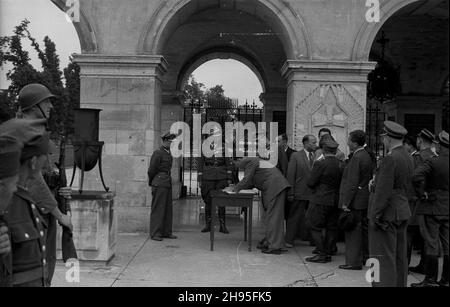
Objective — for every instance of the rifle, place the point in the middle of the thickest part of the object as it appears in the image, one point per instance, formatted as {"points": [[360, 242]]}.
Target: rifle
{"points": [[67, 245]]}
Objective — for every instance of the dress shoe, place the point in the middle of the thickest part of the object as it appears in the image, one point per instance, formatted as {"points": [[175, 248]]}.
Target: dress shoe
{"points": [[319, 259], [420, 269], [427, 283], [159, 239], [172, 237], [289, 245], [350, 267], [271, 251], [443, 283]]}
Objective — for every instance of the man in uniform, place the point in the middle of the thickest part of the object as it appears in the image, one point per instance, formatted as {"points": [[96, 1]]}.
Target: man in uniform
{"points": [[214, 173], [261, 174], [389, 210], [323, 211], [34, 102], [425, 139], [299, 194], [431, 180], [319, 152], [160, 179], [13, 134], [354, 196], [25, 223]]}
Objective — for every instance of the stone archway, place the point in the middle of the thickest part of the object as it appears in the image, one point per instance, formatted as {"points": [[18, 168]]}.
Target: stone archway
{"points": [[85, 31], [280, 15]]}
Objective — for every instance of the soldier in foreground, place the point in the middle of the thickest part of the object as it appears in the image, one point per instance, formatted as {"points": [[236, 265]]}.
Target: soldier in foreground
{"points": [[389, 210], [431, 180], [160, 179]]}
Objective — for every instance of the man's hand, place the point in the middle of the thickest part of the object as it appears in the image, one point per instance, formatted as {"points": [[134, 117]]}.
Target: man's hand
{"points": [[372, 186], [345, 208], [381, 224], [66, 220], [5, 245]]}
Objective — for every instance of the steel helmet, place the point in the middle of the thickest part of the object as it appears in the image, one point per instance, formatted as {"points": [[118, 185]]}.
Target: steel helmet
{"points": [[32, 94]]}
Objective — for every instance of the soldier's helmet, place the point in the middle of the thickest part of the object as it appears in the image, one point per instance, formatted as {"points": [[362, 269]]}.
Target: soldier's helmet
{"points": [[32, 94]]}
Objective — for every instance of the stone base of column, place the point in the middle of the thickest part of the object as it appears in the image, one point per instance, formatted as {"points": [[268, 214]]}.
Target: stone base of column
{"points": [[95, 226]]}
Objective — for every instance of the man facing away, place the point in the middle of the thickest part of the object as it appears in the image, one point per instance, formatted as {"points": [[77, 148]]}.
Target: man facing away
{"points": [[354, 197], [298, 173], [432, 182], [160, 179], [389, 210], [424, 142]]}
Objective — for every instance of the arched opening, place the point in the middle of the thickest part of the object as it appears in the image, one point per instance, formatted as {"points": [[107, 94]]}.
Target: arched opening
{"points": [[411, 49]]}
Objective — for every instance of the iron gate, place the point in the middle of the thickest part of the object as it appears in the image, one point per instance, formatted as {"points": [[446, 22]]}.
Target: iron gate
{"points": [[220, 111]]}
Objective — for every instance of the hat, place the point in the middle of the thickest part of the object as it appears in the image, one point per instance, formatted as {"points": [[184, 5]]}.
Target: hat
{"points": [[169, 136], [327, 142], [23, 130], [443, 138], [9, 157], [32, 94], [347, 221], [36, 147], [394, 130], [427, 134]]}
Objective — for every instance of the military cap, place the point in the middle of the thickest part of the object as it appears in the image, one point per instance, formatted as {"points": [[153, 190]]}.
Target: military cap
{"points": [[23, 130], [32, 94], [427, 134], [9, 157], [37, 147], [394, 130], [443, 138], [169, 136]]}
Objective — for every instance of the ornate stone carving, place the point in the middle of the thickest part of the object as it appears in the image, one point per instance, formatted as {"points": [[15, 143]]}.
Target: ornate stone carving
{"points": [[333, 106]]}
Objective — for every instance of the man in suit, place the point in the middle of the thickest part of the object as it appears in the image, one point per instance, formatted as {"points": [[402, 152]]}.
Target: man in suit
{"points": [[323, 211], [261, 174], [284, 154], [214, 173], [431, 180], [160, 179], [424, 141], [299, 194], [389, 210], [319, 153], [354, 197]]}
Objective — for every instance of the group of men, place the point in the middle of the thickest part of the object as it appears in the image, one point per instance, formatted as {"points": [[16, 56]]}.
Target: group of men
{"points": [[28, 206], [384, 207], [383, 210]]}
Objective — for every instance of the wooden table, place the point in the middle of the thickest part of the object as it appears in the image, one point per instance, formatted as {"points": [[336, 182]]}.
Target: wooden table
{"points": [[222, 199]]}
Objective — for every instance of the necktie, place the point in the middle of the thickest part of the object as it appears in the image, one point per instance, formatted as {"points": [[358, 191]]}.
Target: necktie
{"points": [[311, 159]]}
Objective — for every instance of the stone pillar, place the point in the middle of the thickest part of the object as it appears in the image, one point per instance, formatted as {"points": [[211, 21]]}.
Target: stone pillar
{"points": [[172, 111], [327, 94], [128, 90], [273, 101]]}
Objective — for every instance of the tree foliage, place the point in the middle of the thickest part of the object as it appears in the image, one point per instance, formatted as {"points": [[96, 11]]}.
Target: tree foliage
{"points": [[50, 75]]}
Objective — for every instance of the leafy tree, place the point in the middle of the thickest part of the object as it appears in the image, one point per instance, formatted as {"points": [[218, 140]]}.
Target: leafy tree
{"points": [[23, 73], [194, 90]]}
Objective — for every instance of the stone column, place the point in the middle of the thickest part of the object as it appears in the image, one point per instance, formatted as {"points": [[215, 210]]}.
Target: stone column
{"points": [[327, 94], [172, 111], [128, 90]]}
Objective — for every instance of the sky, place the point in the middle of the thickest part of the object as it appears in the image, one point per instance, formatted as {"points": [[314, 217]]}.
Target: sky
{"points": [[46, 19]]}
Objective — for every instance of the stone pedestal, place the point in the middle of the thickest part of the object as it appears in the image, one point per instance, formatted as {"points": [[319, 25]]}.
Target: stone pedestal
{"points": [[95, 226], [326, 94]]}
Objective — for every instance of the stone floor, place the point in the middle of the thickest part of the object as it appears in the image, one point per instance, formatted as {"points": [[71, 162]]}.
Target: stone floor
{"points": [[188, 262]]}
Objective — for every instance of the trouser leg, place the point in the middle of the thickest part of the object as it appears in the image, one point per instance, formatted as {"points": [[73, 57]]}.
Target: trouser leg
{"points": [[356, 240], [293, 220], [206, 187], [331, 231], [316, 219], [401, 254], [382, 247], [275, 222], [168, 214], [158, 211]]}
